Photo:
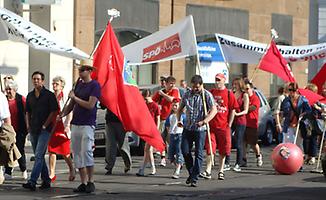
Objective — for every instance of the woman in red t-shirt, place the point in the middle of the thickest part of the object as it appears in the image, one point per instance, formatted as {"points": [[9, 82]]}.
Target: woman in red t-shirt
{"points": [[148, 150], [60, 139], [240, 119]]}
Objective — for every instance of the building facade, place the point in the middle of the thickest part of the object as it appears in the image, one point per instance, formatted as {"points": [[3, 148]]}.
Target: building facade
{"points": [[81, 23]]}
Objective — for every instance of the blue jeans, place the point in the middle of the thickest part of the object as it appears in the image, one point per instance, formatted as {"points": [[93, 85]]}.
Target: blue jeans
{"points": [[40, 144], [188, 138], [239, 132], [175, 153]]}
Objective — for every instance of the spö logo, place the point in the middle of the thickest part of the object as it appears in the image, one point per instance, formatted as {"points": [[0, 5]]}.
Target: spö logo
{"points": [[165, 48]]}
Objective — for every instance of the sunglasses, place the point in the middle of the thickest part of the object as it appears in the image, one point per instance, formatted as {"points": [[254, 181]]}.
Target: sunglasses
{"points": [[217, 79], [291, 90], [83, 69]]}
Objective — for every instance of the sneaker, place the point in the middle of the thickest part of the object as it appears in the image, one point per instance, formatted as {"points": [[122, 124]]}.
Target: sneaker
{"points": [[312, 161], [188, 181], [45, 185], [260, 160], [237, 168], [163, 162], [80, 189], [90, 187], [176, 175], [109, 172], [193, 184], [227, 167], [25, 175], [205, 175], [30, 186], [140, 172], [2, 178], [8, 176]]}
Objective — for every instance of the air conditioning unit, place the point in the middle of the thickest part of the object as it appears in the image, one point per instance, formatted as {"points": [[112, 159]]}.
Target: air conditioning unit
{"points": [[41, 2]]}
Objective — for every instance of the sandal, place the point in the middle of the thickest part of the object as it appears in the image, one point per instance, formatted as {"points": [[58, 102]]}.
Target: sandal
{"points": [[220, 176]]}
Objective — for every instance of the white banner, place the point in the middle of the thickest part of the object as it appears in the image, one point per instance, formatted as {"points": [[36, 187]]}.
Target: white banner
{"points": [[237, 50], [15, 28], [175, 41]]}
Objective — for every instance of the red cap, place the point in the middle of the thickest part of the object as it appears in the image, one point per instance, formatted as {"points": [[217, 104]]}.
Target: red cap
{"points": [[220, 76]]}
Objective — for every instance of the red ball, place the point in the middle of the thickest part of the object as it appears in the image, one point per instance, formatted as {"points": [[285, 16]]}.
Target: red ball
{"points": [[287, 158]]}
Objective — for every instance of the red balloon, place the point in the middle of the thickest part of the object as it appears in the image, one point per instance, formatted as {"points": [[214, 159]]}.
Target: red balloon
{"points": [[287, 158]]}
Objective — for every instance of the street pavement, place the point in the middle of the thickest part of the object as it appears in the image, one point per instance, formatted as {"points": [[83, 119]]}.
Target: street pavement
{"points": [[251, 183]]}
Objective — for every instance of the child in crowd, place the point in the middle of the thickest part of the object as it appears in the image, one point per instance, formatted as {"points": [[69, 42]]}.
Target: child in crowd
{"points": [[148, 150], [175, 132]]}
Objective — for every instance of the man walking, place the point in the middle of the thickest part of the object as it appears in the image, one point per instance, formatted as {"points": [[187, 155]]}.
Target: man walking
{"points": [[116, 138], [220, 126], [84, 99], [41, 109], [195, 126]]}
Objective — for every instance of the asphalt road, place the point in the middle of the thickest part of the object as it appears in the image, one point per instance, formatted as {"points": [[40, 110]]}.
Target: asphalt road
{"points": [[251, 183]]}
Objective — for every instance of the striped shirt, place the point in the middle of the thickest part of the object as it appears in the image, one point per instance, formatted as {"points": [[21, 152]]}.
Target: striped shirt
{"points": [[193, 102]]}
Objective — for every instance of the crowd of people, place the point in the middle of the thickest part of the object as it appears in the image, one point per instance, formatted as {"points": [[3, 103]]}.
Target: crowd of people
{"points": [[190, 119]]}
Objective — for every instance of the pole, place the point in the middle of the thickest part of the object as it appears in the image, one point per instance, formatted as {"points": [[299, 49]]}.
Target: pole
{"points": [[113, 13], [222, 52], [205, 113], [274, 35]]}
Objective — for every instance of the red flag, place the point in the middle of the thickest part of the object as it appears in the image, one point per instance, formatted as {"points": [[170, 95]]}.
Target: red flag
{"points": [[274, 62], [124, 100], [310, 95], [320, 79]]}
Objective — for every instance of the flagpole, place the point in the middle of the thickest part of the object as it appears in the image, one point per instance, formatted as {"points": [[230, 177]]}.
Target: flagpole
{"points": [[222, 52], [113, 13], [274, 36], [205, 113]]}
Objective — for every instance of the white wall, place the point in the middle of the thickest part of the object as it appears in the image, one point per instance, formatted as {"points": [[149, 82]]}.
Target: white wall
{"points": [[14, 56]]}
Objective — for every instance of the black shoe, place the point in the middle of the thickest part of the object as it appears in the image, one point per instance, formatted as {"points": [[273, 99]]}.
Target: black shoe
{"points": [[45, 185], [30, 186], [90, 187], [80, 189], [193, 184], [109, 172], [188, 181], [127, 169]]}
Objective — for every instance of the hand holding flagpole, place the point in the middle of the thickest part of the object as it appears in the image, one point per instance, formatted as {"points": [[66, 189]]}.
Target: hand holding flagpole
{"points": [[274, 35]]}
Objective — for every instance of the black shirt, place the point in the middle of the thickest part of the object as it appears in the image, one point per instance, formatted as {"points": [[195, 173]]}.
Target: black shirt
{"points": [[39, 108]]}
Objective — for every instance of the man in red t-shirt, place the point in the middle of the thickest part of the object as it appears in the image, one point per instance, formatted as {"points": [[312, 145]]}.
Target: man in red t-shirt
{"points": [[164, 99], [220, 125], [251, 133]]}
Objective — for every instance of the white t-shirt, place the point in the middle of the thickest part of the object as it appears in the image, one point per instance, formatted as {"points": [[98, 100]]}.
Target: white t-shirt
{"points": [[4, 108]]}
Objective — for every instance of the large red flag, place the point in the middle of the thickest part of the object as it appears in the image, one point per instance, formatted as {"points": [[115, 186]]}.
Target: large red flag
{"points": [[274, 62], [320, 79], [123, 99], [310, 95]]}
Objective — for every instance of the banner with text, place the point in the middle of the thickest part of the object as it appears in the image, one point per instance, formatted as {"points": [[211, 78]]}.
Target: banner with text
{"points": [[237, 50], [175, 41], [15, 28]]}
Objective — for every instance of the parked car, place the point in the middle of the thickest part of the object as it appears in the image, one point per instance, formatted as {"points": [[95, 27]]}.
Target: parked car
{"points": [[136, 144]]}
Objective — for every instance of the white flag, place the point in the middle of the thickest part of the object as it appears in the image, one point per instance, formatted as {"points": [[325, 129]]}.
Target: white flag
{"points": [[237, 50], [15, 28], [175, 41]]}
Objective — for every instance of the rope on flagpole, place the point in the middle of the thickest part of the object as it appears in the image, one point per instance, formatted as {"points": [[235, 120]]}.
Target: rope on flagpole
{"points": [[274, 35]]}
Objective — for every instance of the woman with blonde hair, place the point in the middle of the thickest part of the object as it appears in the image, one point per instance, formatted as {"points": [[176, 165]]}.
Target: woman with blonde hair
{"points": [[60, 139]]}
